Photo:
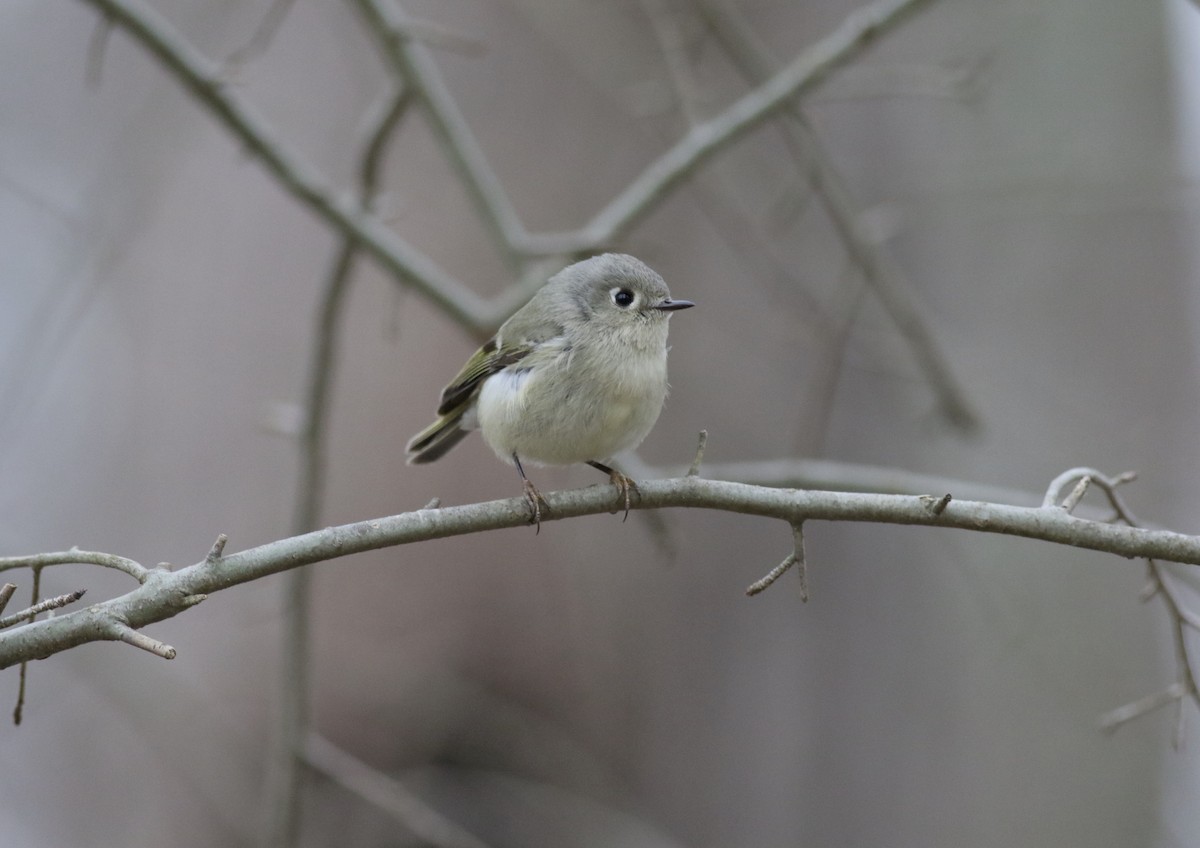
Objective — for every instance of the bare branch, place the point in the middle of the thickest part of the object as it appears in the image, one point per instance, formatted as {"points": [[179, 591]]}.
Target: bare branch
{"points": [[1109, 722], [129, 636], [881, 273], [165, 593], [262, 35], [75, 556], [1159, 585], [42, 606], [694, 470], [795, 558], [847, 476], [286, 773], [217, 549], [6, 593], [1054, 492], [96, 47], [387, 794], [1181, 620], [417, 70], [202, 78], [858, 32], [1072, 500], [936, 506]]}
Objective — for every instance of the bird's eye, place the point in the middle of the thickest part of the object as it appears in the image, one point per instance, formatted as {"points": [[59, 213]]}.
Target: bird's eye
{"points": [[622, 297]]}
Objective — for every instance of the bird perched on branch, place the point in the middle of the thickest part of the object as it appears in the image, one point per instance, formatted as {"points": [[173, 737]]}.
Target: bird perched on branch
{"points": [[578, 374]]}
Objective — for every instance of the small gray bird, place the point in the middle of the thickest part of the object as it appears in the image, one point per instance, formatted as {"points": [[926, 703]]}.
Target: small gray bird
{"points": [[578, 374]]}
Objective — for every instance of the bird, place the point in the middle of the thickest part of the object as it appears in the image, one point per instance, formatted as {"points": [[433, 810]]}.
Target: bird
{"points": [[576, 375]]}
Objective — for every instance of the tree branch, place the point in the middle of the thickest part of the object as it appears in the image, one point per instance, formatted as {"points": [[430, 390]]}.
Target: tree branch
{"points": [[40, 607], [285, 776], [416, 68], [202, 78], [165, 594], [880, 271], [857, 32], [387, 794], [75, 556]]}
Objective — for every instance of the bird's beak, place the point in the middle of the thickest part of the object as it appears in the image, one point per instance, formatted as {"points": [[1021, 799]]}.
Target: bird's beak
{"points": [[669, 305]]}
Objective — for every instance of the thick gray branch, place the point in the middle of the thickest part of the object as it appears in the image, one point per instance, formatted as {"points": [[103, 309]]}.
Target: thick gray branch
{"points": [[165, 594]]}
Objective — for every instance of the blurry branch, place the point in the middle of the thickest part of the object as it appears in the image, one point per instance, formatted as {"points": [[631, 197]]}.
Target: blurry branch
{"points": [[387, 794], [417, 70], [202, 78], [832, 475], [857, 32], [95, 52], [1183, 620], [1158, 584], [165, 593], [285, 777], [714, 195], [961, 81], [262, 35], [673, 45], [882, 274]]}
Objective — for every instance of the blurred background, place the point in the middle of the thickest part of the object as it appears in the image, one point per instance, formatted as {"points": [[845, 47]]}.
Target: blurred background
{"points": [[1027, 171]]}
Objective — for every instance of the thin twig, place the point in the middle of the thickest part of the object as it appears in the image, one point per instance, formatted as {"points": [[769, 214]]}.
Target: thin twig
{"points": [[1158, 586], [795, 558], [6, 593], [387, 794], [261, 37], [1054, 492], [217, 549], [1181, 619], [97, 45], [701, 442], [1111, 721], [936, 505], [1072, 500], [48, 604], [35, 593], [129, 636]]}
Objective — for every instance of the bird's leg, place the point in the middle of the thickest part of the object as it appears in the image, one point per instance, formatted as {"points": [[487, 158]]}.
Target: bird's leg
{"points": [[532, 496], [623, 483]]}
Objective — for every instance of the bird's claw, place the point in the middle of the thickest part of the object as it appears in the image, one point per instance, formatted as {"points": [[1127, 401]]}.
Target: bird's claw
{"points": [[535, 500], [624, 485]]}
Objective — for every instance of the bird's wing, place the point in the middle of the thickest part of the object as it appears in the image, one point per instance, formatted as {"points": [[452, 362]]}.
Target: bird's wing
{"points": [[489, 359]]}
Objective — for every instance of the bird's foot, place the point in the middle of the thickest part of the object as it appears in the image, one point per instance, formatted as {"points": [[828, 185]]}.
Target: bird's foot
{"points": [[535, 500], [625, 485]]}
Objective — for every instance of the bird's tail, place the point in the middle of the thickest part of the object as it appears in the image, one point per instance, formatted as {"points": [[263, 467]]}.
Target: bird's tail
{"points": [[436, 439]]}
